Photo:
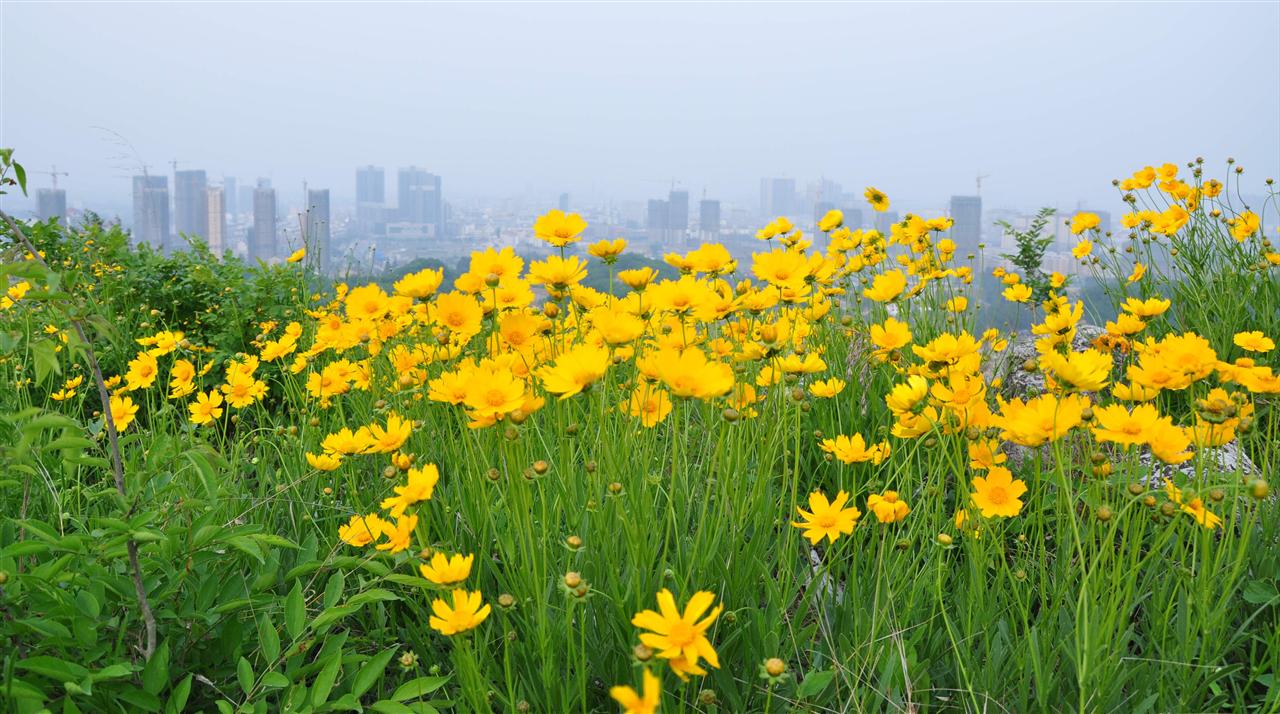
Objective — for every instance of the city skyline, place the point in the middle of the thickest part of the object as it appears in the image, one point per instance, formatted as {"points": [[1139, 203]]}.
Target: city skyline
{"points": [[703, 104]]}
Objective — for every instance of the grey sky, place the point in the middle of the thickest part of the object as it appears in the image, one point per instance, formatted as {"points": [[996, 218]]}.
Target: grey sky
{"points": [[613, 101]]}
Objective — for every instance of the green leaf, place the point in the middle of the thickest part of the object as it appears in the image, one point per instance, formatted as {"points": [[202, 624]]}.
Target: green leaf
{"points": [[418, 688], [373, 670], [112, 671], [178, 697], [275, 680], [389, 707], [268, 638], [372, 595], [244, 673], [273, 539], [323, 685], [1260, 592], [156, 674], [332, 615], [246, 545], [56, 669], [815, 683], [295, 611]]}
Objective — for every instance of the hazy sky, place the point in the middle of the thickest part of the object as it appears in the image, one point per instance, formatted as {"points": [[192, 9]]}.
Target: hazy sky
{"points": [[613, 101]]}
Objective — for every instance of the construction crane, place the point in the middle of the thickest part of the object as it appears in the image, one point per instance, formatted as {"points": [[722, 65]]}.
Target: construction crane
{"points": [[174, 163], [980, 183], [55, 173]]}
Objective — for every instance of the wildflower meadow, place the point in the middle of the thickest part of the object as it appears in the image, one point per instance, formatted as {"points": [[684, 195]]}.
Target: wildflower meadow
{"points": [[820, 480]]}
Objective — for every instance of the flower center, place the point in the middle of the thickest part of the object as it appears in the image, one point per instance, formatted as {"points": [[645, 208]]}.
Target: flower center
{"points": [[997, 495], [682, 634]]}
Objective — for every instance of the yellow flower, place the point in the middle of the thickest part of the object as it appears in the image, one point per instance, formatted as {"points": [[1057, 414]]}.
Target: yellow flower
{"points": [[557, 272], [891, 335], [689, 373], [143, 371], [998, 494], [825, 389], [1195, 508], [1138, 271], [492, 393], [827, 519], [362, 530], [886, 286], [651, 404], [324, 462], [206, 408], [876, 198], [959, 303], [575, 370], [1245, 225], [398, 535], [1087, 371], [420, 284], [1045, 418], [1020, 292], [444, 570], [1254, 341], [297, 255], [385, 440], [854, 449], [123, 412], [831, 221], [1082, 249], [1083, 222], [673, 634], [367, 302], [1151, 307], [345, 441], [558, 228], [638, 278], [608, 250], [466, 613], [420, 485], [632, 702], [888, 507], [1116, 424]]}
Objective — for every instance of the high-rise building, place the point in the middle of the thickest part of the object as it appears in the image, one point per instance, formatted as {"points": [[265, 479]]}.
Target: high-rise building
{"points": [[217, 219], [678, 214], [51, 203], [420, 199], [230, 196], [371, 200], [853, 218], [885, 220], [777, 197], [244, 199], [966, 211], [262, 246], [709, 220], [151, 210], [656, 225], [564, 203], [318, 239], [191, 203]]}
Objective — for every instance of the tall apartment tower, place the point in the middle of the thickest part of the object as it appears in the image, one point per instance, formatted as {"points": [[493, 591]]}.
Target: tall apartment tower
{"points": [[51, 203], [777, 197], [151, 210], [230, 195], [190, 204], [319, 237], [709, 220], [657, 224], [966, 212], [263, 244], [678, 214], [564, 203], [421, 199], [371, 199], [217, 238]]}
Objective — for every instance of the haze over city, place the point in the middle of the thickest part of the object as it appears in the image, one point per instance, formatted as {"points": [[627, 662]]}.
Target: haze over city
{"points": [[616, 105]]}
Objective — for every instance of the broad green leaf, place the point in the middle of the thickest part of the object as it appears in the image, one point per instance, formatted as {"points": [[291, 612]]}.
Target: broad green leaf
{"points": [[373, 670]]}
